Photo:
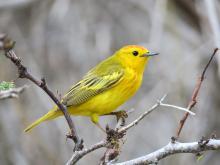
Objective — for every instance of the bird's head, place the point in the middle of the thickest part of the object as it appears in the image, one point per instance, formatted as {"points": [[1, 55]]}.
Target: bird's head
{"points": [[134, 56]]}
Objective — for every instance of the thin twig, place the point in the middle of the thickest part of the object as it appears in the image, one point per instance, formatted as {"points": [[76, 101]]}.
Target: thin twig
{"points": [[136, 121], [177, 107], [193, 100], [79, 154], [7, 45], [12, 93]]}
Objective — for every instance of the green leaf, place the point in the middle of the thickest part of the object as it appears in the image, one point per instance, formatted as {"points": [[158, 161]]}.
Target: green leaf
{"points": [[6, 85]]}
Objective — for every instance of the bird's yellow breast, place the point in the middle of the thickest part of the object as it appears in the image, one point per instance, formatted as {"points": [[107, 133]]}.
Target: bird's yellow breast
{"points": [[110, 100]]}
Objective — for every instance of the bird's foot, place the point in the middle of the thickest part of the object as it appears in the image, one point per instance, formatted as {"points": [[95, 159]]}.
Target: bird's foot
{"points": [[119, 114]]}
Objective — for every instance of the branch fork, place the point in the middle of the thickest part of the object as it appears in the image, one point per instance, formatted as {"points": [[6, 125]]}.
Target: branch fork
{"points": [[7, 46]]}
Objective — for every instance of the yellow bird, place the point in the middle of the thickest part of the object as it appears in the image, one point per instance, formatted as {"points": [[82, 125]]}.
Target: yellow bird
{"points": [[105, 87]]}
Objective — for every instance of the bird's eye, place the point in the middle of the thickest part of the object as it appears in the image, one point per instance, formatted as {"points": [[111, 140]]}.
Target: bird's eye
{"points": [[135, 53]]}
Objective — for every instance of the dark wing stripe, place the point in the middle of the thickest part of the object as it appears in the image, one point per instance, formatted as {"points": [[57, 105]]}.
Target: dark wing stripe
{"points": [[91, 86]]}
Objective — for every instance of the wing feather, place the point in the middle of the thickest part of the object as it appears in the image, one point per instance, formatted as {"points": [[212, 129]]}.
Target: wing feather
{"points": [[93, 84]]}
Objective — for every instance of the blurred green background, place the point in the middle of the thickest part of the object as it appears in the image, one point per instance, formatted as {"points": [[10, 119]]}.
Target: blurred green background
{"points": [[62, 39]]}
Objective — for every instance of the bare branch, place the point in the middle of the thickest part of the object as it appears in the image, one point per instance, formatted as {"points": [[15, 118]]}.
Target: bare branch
{"points": [[79, 154], [7, 45], [135, 122], [12, 93], [173, 148], [193, 100], [117, 134], [176, 107], [155, 106]]}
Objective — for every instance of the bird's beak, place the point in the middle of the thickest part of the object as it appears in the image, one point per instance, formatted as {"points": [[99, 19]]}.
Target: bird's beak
{"points": [[149, 54]]}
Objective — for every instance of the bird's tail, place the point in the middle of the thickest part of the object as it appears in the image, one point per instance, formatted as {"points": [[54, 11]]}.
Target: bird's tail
{"points": [[54, 113]]}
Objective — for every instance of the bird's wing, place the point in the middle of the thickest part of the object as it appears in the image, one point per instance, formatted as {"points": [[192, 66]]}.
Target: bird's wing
{"points": [[94, 83]]}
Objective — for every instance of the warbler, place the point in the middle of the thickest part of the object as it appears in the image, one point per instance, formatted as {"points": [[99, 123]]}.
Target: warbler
{"points": [[105, 87]]}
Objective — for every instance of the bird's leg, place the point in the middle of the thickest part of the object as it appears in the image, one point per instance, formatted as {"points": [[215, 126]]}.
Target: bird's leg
{"points": [[95, 120], [119, 114]]}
